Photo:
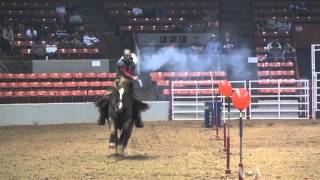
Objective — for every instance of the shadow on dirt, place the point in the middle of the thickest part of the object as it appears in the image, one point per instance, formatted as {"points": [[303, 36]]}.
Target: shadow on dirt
{"points": [[135, 157]]}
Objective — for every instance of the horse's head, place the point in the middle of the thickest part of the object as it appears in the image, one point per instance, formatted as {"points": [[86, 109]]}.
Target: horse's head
{"points": [[123, 89]]}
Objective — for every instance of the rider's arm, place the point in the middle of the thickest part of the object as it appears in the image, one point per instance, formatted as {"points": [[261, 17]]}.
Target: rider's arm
{"points": [[126, 73]]}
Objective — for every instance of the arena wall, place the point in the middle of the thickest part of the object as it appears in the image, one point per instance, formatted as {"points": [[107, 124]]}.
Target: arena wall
{"points": [[67, 113]]}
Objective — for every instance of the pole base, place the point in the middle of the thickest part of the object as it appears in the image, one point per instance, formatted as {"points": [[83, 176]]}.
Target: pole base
{"points": [[241, 172], [228, 171]]}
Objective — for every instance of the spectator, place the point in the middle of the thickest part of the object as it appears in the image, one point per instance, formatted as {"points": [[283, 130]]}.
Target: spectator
{"points": [[196, 46], [289, 52], [31, 33], [6, 38], [228, 43], [51, 49], [137, 11], [213, 45], [274, 50], [39, 51], [89, 39], [60, 10], [75, 18]]}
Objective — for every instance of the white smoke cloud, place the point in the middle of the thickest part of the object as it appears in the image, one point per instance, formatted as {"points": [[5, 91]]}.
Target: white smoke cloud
{"points": [[185, 59]]}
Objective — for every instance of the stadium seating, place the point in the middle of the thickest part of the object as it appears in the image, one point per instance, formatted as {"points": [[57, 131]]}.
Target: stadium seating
{"points": [[57, 87]]}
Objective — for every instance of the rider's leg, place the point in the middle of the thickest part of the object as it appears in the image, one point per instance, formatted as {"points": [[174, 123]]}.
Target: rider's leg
{"points": [[103, 109], [136, 114]]}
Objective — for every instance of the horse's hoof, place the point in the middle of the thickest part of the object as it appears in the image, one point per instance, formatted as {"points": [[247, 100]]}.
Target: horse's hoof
{"points": [[111, 145], [120, 151]]}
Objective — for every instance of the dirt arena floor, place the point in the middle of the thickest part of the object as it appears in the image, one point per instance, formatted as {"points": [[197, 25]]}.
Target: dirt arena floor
{"points": [[286, 150]]}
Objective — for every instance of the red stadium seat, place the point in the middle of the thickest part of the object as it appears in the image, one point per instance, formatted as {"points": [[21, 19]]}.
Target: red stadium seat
{"points": [[58, 84], [34, 84], [83, 84], [19, 76], [42, 76], [163, 83], [19, 94], [156, 76], [3, 85], [66, 75], [101, 92], [54, 75], [112, 75], [78, 75], [103, 75], [45, 84], [31, 93], [71, 84], [31, 76], [63, 93], [7, 93], [89, 75], [166, 92], [12, 85], [22, 85], [78, 93], [8, 76], [107, 83], [95, 84]]}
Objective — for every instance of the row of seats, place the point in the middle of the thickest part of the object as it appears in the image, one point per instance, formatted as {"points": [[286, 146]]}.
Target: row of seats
{"points": [[277, 12], [172, 4], [155, 76], [171, 12], [190, 92], [278, 91], [48, 84], [281, 4], [166, 83], [43, 93], [276, 73], [276, 81], [27, 5], [29, 13], [275, 64], [59, 76], [92, 52]]}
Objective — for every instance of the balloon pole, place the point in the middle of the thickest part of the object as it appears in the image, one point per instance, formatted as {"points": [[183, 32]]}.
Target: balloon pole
{"points": [[228, 170], [216, 118], [224, 125], [241, 172]]}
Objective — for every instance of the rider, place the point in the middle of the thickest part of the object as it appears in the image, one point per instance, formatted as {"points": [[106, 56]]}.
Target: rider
{"points": [[126, 68]]}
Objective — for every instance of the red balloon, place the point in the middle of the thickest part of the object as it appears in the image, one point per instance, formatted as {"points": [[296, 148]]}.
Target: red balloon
{"points": [[225, 88], [241, 98]]}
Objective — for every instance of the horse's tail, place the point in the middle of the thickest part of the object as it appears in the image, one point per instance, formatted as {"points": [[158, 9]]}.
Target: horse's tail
{"points": [[141, 106]]}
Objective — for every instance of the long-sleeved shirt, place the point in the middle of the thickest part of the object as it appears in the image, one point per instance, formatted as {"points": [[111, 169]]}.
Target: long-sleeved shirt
{"points": [[126, 68]]}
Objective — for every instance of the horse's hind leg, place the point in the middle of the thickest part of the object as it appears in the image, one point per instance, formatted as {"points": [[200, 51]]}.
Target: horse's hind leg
{"points": [[125, 135]]}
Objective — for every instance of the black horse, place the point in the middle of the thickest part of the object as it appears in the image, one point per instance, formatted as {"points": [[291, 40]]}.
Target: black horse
{"points": [[121, 110]]}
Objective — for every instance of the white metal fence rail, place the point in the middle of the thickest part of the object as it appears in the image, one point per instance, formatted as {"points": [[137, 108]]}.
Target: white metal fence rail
{"points": [[281, 101], [189, 97], [315, 80], [278, 102]]}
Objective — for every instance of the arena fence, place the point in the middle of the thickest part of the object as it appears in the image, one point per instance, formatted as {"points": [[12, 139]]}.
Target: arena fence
{"points": [[188, 98], [279, 99], [315, 49]]}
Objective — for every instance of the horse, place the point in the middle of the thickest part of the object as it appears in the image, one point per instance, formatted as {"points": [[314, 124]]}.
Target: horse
{"points": [[121, 109]]}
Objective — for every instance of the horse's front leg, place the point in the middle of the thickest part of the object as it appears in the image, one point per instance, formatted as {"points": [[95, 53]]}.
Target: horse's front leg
{"points": [[113, 134], [125, 135]]}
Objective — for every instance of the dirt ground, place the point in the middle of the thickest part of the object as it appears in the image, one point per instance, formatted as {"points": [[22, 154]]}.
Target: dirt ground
{"points": [[162, 150]]}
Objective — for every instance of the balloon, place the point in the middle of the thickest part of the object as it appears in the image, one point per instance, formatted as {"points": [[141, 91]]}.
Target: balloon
{"points": [[241, 98], [225, 88]]}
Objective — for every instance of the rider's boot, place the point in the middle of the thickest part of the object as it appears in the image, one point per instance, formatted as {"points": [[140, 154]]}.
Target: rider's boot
{"points": [[138, 120], [102, 119]]}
